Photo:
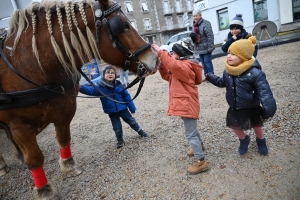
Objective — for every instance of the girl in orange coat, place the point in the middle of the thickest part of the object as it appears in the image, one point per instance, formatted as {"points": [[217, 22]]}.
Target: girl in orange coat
{"points": [[183, 76]]}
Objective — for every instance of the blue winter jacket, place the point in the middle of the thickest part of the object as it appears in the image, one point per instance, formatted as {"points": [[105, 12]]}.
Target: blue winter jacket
{"points": [[108, 105], [248, 90], [229, 40]]}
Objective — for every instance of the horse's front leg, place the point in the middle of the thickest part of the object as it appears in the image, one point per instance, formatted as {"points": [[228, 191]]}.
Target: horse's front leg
{"points": [[25, 137], [3, 167], [66, 162]]}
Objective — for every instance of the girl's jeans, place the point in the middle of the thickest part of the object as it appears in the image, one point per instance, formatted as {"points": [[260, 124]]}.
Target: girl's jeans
{"points": [[117, 125], [193, 136], [206, 61]]}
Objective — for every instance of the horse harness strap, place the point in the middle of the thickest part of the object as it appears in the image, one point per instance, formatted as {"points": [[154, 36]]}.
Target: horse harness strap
{"points": [[35, 95], [114, 27]]}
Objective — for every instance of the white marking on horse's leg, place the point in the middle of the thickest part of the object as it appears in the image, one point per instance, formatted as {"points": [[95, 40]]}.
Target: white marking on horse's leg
{"points": [[69, 167], [3, 167], [45, 193]]}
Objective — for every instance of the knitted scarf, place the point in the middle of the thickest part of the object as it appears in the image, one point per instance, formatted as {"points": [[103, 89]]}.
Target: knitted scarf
{"points": [[106, 84], [238, 70]]}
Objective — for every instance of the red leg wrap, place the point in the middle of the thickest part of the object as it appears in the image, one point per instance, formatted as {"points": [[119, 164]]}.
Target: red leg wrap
{"points": [[66, 153], [39, 177]]}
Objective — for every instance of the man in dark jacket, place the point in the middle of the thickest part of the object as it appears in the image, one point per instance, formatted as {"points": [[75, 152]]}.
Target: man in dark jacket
{"points": [[112, 105]]}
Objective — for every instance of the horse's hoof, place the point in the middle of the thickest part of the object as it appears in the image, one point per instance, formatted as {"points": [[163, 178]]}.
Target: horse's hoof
{"points": [[45, 193], [4, 170], [69, 167]]}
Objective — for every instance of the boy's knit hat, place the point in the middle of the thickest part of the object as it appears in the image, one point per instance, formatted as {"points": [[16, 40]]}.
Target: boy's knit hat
{"points": [[108, 67], [243, 48], [237, 22]]}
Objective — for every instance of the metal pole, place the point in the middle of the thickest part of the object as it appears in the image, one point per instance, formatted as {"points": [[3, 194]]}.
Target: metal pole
{"points": [[13, 2]]}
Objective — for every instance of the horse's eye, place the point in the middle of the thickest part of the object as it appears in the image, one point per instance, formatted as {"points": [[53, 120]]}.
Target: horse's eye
{"points": [[127, 26]]}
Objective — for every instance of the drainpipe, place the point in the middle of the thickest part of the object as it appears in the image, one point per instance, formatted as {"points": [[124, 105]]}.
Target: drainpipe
{"points": [[13, 2]]}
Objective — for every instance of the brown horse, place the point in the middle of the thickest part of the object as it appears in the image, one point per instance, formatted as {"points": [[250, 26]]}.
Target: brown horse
{"points": [[46, 45]]}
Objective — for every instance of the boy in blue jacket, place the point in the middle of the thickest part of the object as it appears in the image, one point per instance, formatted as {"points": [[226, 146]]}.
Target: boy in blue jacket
{"points": [[112, 87]]}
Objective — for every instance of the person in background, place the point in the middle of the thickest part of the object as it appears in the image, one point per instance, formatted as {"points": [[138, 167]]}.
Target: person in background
{"points": [[237, 32], [115, 110], [248, 94], [203, 38], [183, 76], [124, 77]]}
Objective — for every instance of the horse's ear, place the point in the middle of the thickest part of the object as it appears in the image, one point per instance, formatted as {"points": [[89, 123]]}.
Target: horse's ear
{"points": [[104, 3]]}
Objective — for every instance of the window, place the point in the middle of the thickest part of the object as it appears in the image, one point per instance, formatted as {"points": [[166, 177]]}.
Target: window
{"points": [[178, 7], [129, 8], [260, 10], [191, 19], [169, 22], [151, 38], [133, 24], [147, 24], [296, 9], [180, 21], [166, 7], [144, 7], [223, 19], [189, 5]]}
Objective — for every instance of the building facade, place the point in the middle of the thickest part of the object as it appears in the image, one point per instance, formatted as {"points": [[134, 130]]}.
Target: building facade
{"points": [[157, 20]]}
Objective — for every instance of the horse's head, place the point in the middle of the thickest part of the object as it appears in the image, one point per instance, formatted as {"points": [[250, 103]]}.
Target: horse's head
{"points": [[120, 44]]}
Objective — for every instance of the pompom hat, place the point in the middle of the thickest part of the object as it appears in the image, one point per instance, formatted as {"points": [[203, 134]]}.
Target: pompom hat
{"points": [[182, 48], [237, 22], [243, 48]]}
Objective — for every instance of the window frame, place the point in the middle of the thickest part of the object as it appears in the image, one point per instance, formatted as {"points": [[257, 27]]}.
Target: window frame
{"points": [[133, 24], [144, 6], [256, 13], [224, 12], [129, 7], [145, 24], [294, 13]]}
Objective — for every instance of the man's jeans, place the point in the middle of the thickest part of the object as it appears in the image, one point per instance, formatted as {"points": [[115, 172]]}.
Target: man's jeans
{"points": [[206, 61], [117, 125]]}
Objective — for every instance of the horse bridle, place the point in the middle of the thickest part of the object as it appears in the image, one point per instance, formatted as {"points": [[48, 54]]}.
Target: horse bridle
{"points": [[114, 27]]}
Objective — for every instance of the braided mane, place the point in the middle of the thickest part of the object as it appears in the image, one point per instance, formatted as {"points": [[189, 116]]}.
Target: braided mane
{"points": [[86, 49]]}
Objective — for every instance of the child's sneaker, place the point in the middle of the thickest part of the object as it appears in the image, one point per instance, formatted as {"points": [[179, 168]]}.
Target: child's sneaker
{"points": [[244, 145], [262, 146]]}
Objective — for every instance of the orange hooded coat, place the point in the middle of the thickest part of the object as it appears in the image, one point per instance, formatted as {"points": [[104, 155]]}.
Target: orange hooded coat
{"points": [[183, 94]]}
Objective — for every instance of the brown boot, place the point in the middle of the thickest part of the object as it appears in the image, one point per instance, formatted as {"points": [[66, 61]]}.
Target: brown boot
{"points": [[198, 166], [190, 153]]}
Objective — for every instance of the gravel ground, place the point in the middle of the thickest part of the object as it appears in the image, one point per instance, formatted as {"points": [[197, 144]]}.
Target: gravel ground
{"points": [[156, 167]]}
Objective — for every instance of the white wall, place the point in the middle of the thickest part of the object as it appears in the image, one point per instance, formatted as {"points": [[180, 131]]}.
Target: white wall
{"points": [[244, 7], [286, 11]]}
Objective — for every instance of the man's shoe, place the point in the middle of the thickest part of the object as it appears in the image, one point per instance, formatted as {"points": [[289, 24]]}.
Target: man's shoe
{"points": [[262, 146], [120, 144], [190, 153], [244, 145], [142, 133], [198, 166]]}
